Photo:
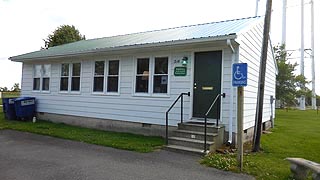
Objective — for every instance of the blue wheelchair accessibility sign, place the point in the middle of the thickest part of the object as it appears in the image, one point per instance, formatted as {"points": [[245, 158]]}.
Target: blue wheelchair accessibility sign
{"points": [[239, 74]]}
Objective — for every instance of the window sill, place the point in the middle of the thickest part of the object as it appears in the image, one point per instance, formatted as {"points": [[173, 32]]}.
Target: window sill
{"points": [[154, 95], [70, 92], [45, 92], [159, 95], [75, 92], [112, 94], [105, 94], [39, 91], [63, 92]]}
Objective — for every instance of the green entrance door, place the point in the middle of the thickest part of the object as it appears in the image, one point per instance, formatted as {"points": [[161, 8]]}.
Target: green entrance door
{"points": [[207, 82]]}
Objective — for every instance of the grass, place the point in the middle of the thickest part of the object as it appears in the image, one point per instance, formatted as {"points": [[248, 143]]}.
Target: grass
{"points": [[296, 134], [126, 141]]}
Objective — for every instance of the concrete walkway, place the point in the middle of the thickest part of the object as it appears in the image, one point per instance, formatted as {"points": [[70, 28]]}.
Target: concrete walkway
{"points": [[28, 156]]}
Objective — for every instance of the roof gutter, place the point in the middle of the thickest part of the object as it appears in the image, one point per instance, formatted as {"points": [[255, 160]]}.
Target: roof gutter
{"points": [[128, 47]]}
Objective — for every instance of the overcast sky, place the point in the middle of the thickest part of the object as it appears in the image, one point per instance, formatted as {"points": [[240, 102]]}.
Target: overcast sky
{"points": [[24, 24]]}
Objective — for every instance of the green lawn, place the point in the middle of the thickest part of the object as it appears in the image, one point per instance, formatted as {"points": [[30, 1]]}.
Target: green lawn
{"points": [[296, 134], [124, 141]]}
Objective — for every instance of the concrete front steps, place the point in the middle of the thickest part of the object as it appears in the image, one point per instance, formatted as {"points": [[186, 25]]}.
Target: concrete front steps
{"points": [[189, 138]]}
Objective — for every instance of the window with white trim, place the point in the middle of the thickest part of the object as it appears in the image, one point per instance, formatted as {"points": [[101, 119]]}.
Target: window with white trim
{"points": [[46, 71], [70, 77], [98, 79], [152, 73], [160, 76], [113, 76], [142, 76], [106, 76], [64, 80], [75, 79], [41, 77], [36, 77]]}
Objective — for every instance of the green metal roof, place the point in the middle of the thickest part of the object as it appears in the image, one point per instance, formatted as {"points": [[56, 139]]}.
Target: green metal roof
{"points": [[192, 32]]}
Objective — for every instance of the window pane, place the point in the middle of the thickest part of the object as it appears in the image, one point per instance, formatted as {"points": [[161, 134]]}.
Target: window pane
{"points": [[46, 70], [65, 70], [64, 84], [37, 71], [99, 68], [161, 65], [143, 66], [75, 84], [114, 67], [112, 84], [160, 84], [36, 83], [45, 84], [142, 83], [76, 68], [98, 84]]}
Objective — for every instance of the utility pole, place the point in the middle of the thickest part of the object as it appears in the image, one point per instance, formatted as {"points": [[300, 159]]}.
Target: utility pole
{"points": [[302, 98], [262, 77], [284, 22], [314, 98]]}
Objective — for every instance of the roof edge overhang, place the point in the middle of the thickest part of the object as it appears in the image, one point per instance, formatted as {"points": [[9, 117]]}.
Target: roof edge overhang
{"points": [[129, 47]]}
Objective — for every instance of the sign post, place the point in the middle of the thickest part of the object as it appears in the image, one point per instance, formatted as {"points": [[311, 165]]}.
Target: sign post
{"points": [[239, 79]]}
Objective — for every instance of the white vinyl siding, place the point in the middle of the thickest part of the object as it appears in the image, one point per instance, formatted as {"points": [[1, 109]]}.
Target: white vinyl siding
{"points": [[124, 106], [250, 52], [225, 88], [151, 107]]}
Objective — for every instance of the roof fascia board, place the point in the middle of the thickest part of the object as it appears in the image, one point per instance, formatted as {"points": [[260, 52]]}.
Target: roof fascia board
{"points": [[130, 47]]}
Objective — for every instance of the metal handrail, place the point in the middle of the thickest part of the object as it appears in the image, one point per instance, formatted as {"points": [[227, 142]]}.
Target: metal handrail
{"points": [[181, 112], [206, 116]]}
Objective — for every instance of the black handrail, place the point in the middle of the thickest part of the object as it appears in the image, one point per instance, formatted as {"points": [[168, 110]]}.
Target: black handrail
{"points": [[181, 111], [206, 116]]}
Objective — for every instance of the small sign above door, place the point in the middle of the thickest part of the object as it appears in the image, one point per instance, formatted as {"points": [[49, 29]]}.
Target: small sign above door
{"points": [[180, 71]]}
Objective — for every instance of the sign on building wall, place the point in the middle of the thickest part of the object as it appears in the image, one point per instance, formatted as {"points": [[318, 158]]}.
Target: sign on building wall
{"points": [[180, 71], [239, 74]]}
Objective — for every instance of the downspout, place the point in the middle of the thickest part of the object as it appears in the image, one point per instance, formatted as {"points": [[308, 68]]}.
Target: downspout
{"points": [[231, 94]]}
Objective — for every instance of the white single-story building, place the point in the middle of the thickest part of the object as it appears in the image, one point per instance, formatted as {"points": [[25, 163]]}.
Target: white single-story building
{"points": [[128, 82]]}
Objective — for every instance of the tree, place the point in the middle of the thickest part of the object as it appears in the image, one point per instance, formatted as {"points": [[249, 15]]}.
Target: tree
{"points": [[16, 87], [63, 35], [288, 85], [285, 80], [3, 89]]}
